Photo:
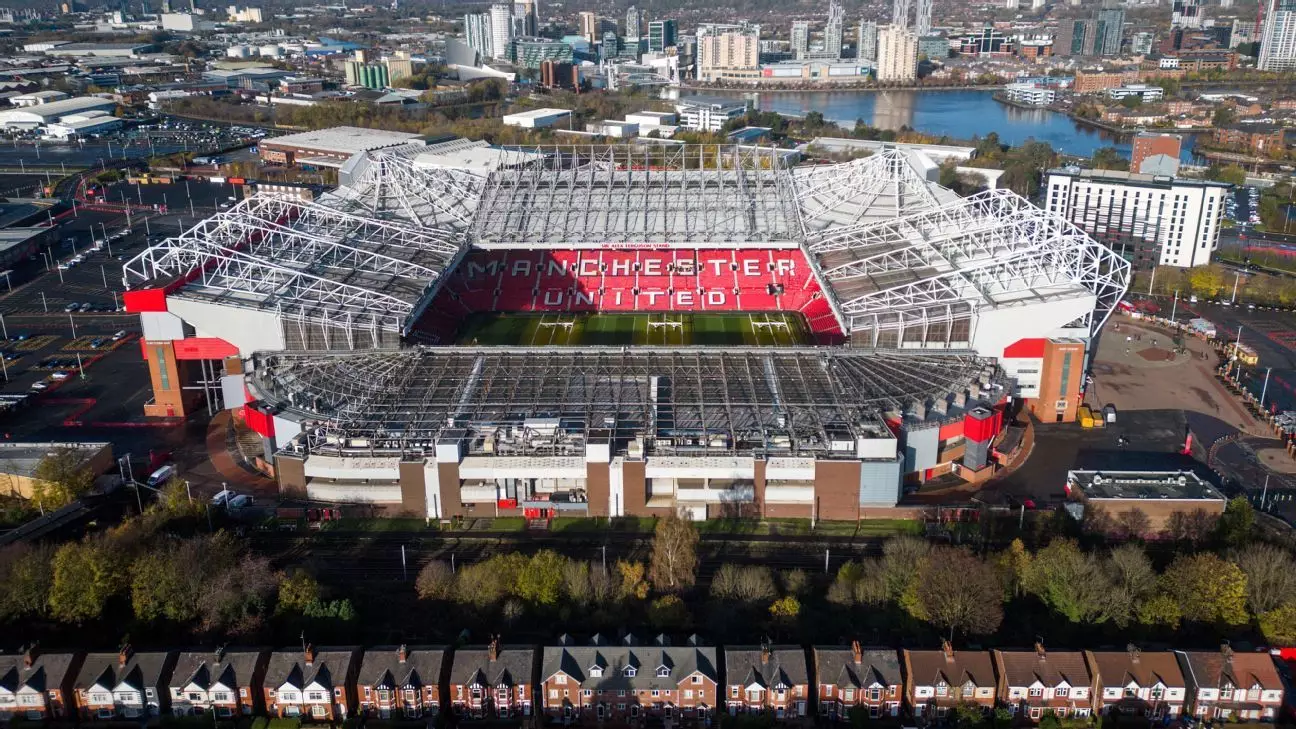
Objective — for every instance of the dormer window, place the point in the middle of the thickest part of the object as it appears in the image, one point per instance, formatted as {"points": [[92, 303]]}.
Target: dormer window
{"points": [[942, 689], [663, 672], [1226, 691], [969, 688], [1061, 692], [596, 671], [630, 671]]}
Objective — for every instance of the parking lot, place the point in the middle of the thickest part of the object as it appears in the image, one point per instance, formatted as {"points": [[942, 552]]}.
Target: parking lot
{"points": [[148, 138], [1272, 334]]}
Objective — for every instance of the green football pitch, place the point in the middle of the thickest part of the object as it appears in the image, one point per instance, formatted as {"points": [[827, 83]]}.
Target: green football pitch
{"points": [[777, 329]]}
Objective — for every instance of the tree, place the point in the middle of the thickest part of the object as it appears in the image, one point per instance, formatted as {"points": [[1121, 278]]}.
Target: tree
{"points": [[1014, 564], [173, 500], [1232, 174], [668, 612], [26, 572], [435, 581], [903, 559], [481, 585], [959, 592], [297, 592], [1270, 576], [60, 478], [747, 584], [1133, 580], [1223, 116], [633, 585], [1132, 524], [86, 576], [1234, 526], [1190, 529], [1068, 581], [1279, 625], [785, 608], [540, 583], [236, 600], [1160, 610], [674, 554], [1208, 589]]}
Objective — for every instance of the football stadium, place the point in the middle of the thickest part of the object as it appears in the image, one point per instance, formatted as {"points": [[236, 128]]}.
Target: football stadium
{"points": [[459, 329]]}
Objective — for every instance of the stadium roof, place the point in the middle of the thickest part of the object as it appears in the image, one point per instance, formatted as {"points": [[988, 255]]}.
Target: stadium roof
{"points": [[339, 140], [704, 400]]}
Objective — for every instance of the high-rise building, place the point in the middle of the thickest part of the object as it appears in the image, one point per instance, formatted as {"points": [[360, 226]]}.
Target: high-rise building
{"points": [[833, 30], [727, 55], [526, 21], [588, 23], [800, 39], [1075, 37], [1150, 220], [922, 17], [866, 39], [1142, 42], [897, 55], [501, 29], [1110, 29], [1012, 4], [477, 32], [1278, 39], [634, 23], [1186, 13], [662, 35]]}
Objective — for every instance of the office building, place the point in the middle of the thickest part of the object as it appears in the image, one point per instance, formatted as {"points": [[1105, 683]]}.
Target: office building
{"points": [[588, 23], [866, 40], [1109, 29], [1029, 94], [728, 55], [501, 29], [633, 24], [1186, 14], [708, 113], [526, 24], [531, 52], [800, 39], [662, 34], [1278, 39], [1075, 37], [477, 33], [897, 55], [1149, 220], [1142, 42], [833, 30], [1149, 144]]}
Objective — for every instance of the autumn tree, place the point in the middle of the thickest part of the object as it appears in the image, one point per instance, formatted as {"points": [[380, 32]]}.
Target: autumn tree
{"points": [[1208, 589], [1068, 581], [540, 582], [1132, 581], [751, 584], [960, 593], [1190, 529], [1279, 625], [1270, 576], [903, 559], [26, 572], [435, 581], [60, 478], [633, 584], [674, 554], [1013, 564], [785, 608], [668, 613], [87, 575], [296, 592], [1235, 524]]}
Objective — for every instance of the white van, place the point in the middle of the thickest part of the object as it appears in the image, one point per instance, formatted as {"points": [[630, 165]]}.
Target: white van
{"points": [[160, 476]]}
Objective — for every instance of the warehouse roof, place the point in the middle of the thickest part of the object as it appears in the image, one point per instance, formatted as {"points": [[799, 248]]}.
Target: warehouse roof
{"points": [[342, 140], [55, 110]]}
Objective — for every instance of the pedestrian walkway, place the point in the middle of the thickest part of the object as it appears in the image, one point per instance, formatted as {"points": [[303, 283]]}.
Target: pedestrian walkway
{"points": [[239, 477]]}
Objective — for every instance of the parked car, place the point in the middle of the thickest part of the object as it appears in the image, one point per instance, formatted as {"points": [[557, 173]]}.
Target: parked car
{"points": [[119, 336], [224, 497]]}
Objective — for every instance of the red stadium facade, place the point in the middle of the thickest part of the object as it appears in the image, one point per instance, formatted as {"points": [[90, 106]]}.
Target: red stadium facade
{"points": [[634, 280]]}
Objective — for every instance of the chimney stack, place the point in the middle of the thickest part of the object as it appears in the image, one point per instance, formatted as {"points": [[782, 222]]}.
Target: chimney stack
{"points": [[492, 650], [402, 654], [29, 655], [855, 650], [308, 654], [948, 650], [1226, 650], [220, 653], [123, 654], [1039, 649], [765, 652], [1133, 651]]}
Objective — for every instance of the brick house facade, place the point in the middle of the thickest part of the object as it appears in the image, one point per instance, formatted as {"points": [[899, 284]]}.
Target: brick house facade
{"points": [[768, 678], [1137, 683], [1226, 685], [315, 685], [224, 681], [855, 677], [36, 686], [400, 681], [937, 681], [492, 681], [123, 685], [1038, 682]]}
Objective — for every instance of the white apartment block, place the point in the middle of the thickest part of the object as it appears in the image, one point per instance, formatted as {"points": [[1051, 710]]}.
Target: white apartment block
{"points": [[1151, 221], [501, 29], [723, 54], [897, 55], [1030, 94], [708, 113], [1278, 40]]}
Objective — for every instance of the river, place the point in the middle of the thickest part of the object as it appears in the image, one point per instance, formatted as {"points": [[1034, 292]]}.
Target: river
{"points": [[958, 114]]}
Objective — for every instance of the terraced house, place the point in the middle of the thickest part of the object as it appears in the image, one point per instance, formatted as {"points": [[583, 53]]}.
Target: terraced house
{"points": [[853, 677], [225, 682], [767, 678], [938, 681], [492, 680], [1227, 685], [35, 685], [123, 685], [624, 681], [1134, 682], [401, 681], [1038, 682], [313, 684]]}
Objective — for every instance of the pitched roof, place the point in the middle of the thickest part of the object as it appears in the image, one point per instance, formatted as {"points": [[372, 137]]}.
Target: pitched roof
{"points": [[787, 664], [141, 670], [382, 666], [329, 668], [930, 667], [1144, 668], [229, 667], [1242, 670], [837, 666], [1050, 668], [46, 672], [512, 665], [582, 663]]}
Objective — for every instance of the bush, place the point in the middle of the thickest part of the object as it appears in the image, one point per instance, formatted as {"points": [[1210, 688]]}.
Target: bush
{"points": [[287, 722]]}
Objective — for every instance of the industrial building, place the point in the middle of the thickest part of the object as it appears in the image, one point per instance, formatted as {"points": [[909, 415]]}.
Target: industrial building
{"points": [[329, 147], [538, 118], [331, 326], [42, 115], [1156, 496]]}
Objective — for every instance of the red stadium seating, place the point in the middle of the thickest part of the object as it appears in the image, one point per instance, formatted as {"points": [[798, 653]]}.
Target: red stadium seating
{"points": [[647, 279]]}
